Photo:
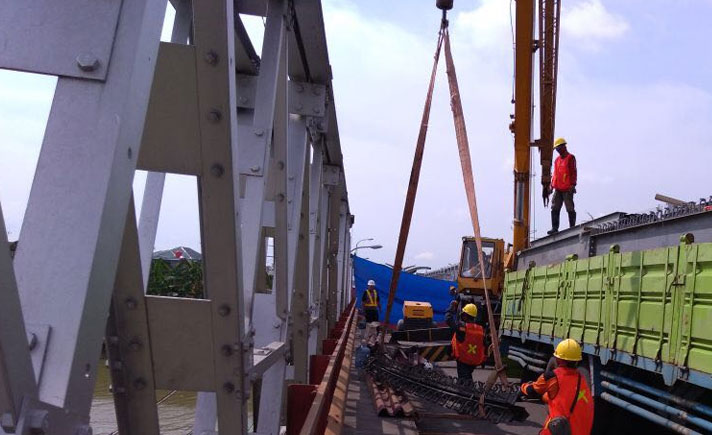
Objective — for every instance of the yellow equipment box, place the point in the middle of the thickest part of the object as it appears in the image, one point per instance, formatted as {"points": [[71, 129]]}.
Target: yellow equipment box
{"points": [[417, 310]]}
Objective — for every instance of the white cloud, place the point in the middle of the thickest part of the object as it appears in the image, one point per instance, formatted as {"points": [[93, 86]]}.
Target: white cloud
{"points": [[425, 256], [590, 22]]}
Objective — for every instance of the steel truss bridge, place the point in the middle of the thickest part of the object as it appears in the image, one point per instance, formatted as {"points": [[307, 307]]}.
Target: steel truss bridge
{"points": [[260, 134]]}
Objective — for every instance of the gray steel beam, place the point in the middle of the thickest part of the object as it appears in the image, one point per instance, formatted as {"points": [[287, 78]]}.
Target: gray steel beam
{"points": [[213, 23], [128, 342], [272, 385], [253, 146], [81, 191], [17, 379]]}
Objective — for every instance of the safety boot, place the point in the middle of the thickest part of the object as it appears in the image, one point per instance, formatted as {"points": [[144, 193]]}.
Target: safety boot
{"points": [[572, 219], [554, 222]]}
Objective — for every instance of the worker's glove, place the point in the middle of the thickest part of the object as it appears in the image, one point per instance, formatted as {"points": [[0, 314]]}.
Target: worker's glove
{"points": [[546, 191]]}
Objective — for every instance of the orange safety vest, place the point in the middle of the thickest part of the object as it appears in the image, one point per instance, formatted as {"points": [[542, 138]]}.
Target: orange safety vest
{"points": [[581, 420], [564, 177], [471, 350], [372, 299]]}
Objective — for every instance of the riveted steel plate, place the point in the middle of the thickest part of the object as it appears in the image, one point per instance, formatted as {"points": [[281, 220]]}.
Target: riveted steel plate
{"points": [[71, 38]]}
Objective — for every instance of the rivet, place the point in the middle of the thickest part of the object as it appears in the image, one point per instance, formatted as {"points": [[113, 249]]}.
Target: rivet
{"points": [[214, 115], [224, 310], [87, 62], [316, 90], [131, 303], [33, 341], [280, 165], [299, 106], [255, 168], [226, 350], [316, 109], [243, 99], [228, 387], [211, 57], [139, 384], [217, 170], [259, 132], [135, 344]]}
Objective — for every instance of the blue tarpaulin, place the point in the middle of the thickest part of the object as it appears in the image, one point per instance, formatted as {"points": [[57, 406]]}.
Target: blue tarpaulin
{"points": [[410, 288]]}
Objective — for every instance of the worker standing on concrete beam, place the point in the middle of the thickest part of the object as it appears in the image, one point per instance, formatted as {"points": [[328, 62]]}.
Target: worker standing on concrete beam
{"points": [[563, 183], [371, 302], [566, 392], [468, 339]]}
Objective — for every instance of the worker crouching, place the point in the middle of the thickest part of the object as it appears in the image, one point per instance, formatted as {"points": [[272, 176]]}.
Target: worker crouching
{"points": [[468, 339], [566, 392]]}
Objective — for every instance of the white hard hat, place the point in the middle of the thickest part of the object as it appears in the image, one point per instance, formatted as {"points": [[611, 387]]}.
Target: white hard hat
{"points": [[371, 282]]}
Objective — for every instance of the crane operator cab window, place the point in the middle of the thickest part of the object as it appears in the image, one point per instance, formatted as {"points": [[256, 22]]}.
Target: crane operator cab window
{"points": [[470, 261]]}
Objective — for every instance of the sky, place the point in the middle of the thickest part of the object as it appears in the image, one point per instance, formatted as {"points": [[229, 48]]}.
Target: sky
{"points": [[634, 103]]}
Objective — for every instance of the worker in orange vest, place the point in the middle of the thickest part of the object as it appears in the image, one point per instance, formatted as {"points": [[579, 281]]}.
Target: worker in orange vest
{"points": [[563, 184], [566, 392], [468, 339], [371, 302]]}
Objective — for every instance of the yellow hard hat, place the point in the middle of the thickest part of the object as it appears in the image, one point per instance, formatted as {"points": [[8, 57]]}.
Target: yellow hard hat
{"points": [[558, 142], [568, 350], [470, 309]]}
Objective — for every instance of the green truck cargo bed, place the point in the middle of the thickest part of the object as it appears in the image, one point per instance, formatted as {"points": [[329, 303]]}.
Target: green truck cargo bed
{"points": [[651, 309]]}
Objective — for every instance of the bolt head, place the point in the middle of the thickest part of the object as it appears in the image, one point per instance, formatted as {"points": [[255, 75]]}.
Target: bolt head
{"points": [[243, 99], [87, 62], [224, 310], [214, 115], [259, 132], [316, 109], [131, 303], [139, 384], [211, 57], [316, 90], [217, 170], [228, 387], [135, 345], [255, 168]]}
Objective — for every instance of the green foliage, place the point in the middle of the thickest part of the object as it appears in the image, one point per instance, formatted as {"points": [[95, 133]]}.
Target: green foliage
{"points": [[185, 280]]}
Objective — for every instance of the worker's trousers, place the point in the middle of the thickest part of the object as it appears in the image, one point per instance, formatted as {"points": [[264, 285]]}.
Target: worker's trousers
{"points": [[562, 198], [371, 314], [464, 371]]}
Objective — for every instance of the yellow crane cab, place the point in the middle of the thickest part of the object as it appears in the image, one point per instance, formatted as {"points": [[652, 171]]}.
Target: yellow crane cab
{"points": [[471, 283]]}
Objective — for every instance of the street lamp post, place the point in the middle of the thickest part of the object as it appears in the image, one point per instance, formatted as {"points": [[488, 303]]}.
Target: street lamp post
{"points": [[364, 240], [366, 247]]}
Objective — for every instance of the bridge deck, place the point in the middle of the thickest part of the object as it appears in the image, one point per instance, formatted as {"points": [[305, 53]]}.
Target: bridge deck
{"points": [[361, 416]]}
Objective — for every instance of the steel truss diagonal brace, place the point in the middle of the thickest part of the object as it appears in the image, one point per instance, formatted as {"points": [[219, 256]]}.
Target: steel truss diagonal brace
{"points": [[17, 379], [81, 191]]}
